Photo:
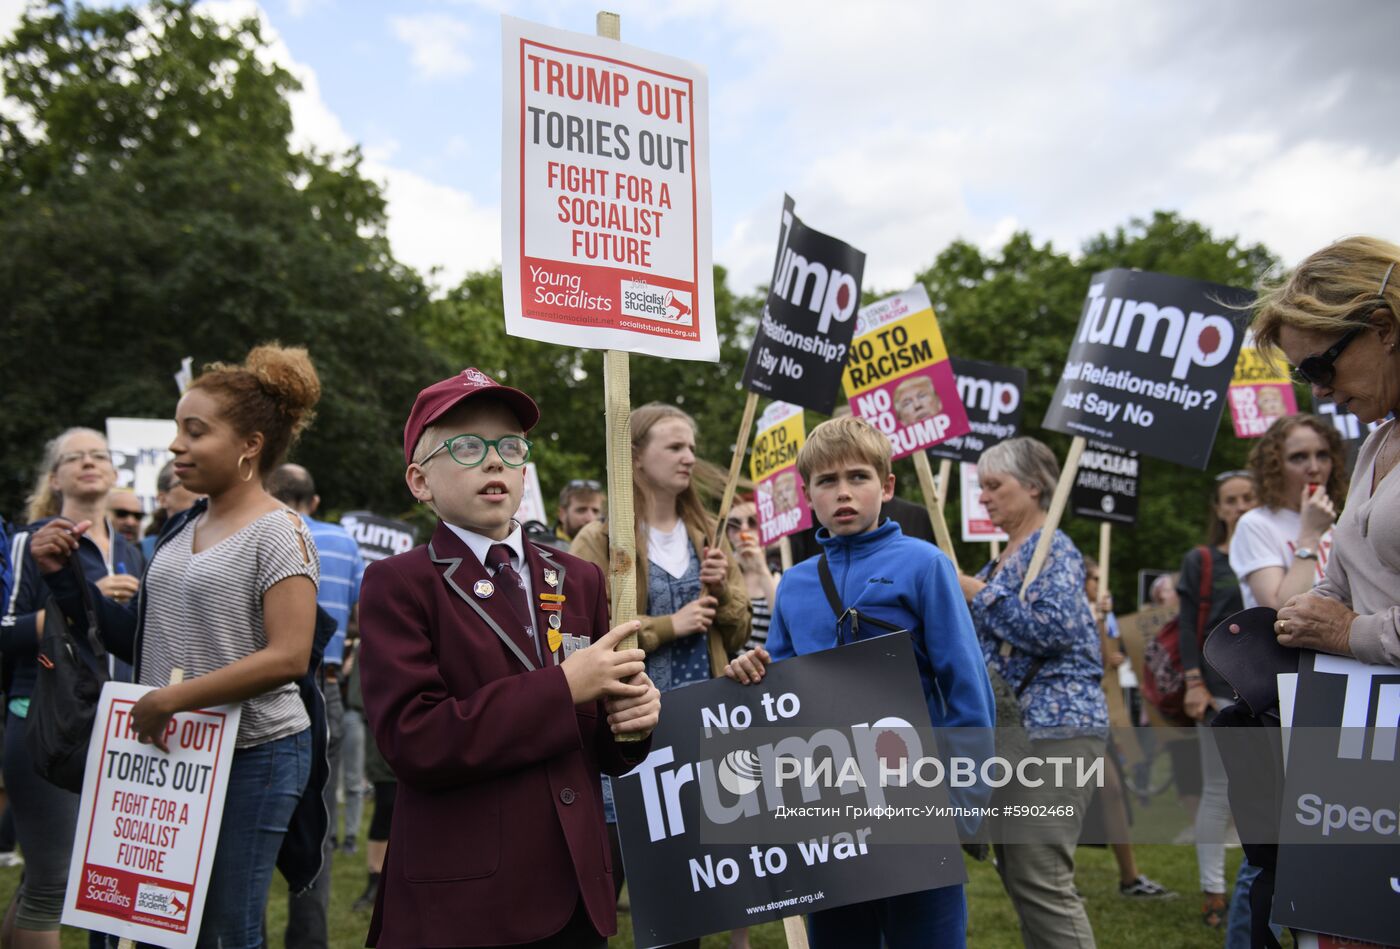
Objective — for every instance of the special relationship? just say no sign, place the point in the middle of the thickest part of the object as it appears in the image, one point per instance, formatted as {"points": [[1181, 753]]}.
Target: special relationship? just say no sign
{"points": [[605, 211], [1150, 363]]}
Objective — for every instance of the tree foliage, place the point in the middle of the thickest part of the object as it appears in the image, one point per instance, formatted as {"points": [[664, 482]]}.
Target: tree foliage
{"points": [[151, 207]]}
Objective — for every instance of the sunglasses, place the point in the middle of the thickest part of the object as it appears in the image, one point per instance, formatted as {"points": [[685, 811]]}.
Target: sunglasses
{"points": [[739, 523], [1318, 369], [588, 483], [120, 515]]}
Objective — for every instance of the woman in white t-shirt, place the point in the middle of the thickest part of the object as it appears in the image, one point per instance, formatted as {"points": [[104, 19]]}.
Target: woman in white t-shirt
{"points": [[1280, 548]]}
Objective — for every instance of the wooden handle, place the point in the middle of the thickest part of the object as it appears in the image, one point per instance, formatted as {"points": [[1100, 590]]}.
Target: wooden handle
{"points": [[731, 484], [933, 495], [1057, 511], [796, 932], [1105, 538]]}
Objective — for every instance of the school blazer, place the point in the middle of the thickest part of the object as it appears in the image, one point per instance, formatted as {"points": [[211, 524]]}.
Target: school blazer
{"points": [[498, 825]]}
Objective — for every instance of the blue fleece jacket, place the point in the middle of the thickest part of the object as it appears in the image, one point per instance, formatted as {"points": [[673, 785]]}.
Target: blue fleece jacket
{"points": [[899, 580]]}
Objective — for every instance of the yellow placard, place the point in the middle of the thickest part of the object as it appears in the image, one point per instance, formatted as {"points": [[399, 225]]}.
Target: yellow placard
{"points": [[1252, 369], [776, 445], [897, 348]]}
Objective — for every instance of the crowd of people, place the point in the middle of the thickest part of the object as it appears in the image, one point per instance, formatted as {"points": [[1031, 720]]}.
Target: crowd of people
{"points": [[442, 684]]}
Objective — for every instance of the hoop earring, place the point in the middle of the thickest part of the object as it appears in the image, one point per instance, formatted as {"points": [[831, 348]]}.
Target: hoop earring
{"points": [[251, 468]]}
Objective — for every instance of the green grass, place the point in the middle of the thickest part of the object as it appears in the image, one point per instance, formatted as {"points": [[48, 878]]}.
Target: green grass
{"points": [[1117, 922]]}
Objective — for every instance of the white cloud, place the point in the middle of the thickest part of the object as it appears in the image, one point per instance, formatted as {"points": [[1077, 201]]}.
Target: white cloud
{"points": [[431, 225], [435, 43]]}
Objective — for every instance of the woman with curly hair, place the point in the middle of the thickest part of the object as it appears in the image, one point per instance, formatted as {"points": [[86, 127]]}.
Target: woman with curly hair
{"points": [[1281, 548], [230, 599]]}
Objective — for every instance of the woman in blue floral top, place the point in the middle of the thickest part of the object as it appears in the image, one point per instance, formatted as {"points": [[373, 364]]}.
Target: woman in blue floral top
{"points": [[1046, 647]]}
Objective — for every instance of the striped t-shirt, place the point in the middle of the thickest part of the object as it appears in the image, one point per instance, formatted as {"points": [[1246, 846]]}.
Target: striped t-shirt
{"points": [[762, 616], [204, 611]]}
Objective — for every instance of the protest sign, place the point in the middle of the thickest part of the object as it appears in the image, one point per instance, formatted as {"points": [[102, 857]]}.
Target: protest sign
{"points": [[1259, 392], [898, 376], [976, 522], [991, 397], [805, 333], [379, 537], [532, 506], [1106, 484], [605, 211], [782, 504], [702, 837], [140, 447], [1145, 579], [1150, 363], [1338, 845], [148, 822]]}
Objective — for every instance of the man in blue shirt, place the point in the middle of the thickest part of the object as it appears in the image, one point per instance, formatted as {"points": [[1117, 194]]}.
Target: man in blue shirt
{"points": [[338, 593]]}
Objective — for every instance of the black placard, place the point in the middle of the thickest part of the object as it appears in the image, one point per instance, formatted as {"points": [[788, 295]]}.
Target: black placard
{"points": [[808, 319], [1106, 484], [1150, 363], [1339, 853], [992, 395], [701, 837], [379, 537]]}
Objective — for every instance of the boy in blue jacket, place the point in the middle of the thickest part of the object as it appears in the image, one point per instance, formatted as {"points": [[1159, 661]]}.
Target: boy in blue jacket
{"points": [[897, 580]]}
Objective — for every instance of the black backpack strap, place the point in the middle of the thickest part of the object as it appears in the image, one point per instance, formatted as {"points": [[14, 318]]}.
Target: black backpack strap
{"points": [[857, 617], [829, 588]]}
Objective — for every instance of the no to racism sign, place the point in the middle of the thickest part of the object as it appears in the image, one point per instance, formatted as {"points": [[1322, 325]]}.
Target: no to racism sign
{"points": [[149, 822], [378, 537], [804, 335], [1150, 363], [605, 211], [781, 502], [991, 395], [1260, 394], [1106, 484], [976, 522], [898, 376], [706, 841]]}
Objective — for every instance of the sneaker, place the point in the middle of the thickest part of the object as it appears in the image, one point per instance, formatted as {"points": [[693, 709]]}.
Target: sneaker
{"points": [[1145, 889], [366, 901], [11, 859], [350, 847]]}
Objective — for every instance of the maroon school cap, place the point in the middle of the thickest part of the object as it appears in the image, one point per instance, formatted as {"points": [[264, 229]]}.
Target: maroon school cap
{"points": [[433, 402]]}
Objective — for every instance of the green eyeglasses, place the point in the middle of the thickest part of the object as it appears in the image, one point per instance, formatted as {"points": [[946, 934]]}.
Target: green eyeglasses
{"points": [[471, 450]]}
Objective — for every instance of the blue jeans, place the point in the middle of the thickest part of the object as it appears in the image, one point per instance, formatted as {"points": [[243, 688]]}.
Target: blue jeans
{"points": [[1237, 936], [264, 786], [929, 919]]}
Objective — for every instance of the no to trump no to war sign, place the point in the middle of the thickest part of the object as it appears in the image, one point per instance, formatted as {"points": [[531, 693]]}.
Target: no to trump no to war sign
{"points": [[605, 211], [148, 822], [781, 502], [773, 800], [1259, 393], [898, 376], [1150, 363]]}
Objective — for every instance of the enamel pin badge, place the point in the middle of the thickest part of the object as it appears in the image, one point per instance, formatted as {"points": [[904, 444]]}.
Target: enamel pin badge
{"points": [[551, 577], [483, 588]]}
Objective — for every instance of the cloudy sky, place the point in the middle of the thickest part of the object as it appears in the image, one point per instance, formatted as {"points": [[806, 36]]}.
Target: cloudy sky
{"points": [[897, 126]]}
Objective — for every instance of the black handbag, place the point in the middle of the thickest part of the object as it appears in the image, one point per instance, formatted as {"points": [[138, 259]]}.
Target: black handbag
{"points": [[63, 707]]}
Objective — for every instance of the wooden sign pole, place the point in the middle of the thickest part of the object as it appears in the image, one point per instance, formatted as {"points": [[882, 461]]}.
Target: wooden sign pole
{"points": [[617, 399], [1105, 537], [996, 549], [934, 496], [1057, 511], [785, 552], [736, 464]]}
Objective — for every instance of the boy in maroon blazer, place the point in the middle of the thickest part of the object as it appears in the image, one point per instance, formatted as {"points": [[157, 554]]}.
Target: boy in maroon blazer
{"points": [[488, 700]]}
